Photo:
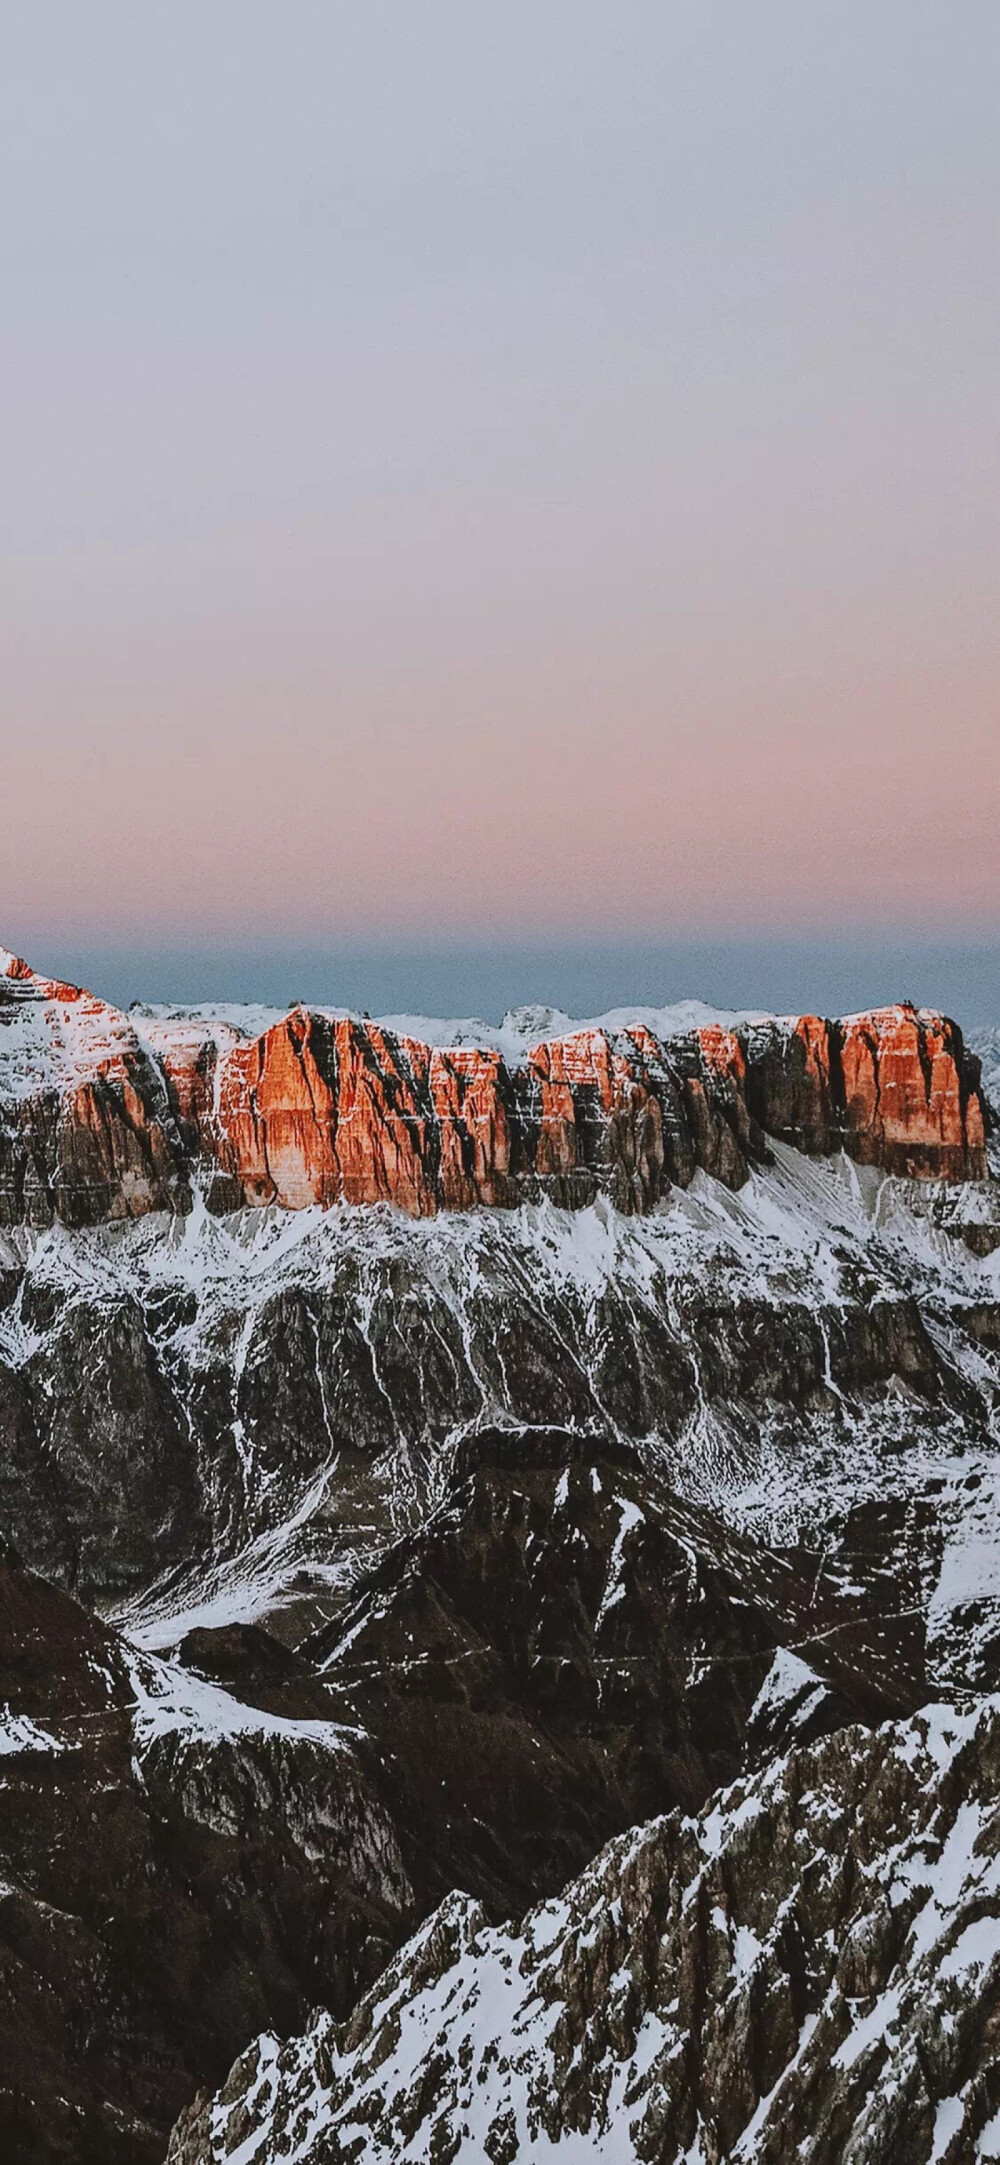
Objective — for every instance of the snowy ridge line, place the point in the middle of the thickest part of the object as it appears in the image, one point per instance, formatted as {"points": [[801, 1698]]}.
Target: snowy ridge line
{"points": [[825, 1242], [92, 1021], [584, 2033], [512, 1038], [110, 1115]]}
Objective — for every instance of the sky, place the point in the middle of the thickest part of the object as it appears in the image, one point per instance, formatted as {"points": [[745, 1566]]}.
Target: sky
{"points": [[515, 482]]}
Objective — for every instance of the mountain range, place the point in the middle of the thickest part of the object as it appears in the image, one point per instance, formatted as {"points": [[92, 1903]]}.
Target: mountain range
{"points": [[501, 1636]]}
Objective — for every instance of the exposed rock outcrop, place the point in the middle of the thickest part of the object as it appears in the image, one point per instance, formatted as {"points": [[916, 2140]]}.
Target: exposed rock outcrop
{"points": [[807, 1969], [175, 1868], [895, 1089], [103, 1116]]}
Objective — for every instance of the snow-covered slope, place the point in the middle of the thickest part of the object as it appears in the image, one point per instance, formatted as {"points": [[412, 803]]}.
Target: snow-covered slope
{"points": [[283, 1393], [485, 1439], [807, 1969]]}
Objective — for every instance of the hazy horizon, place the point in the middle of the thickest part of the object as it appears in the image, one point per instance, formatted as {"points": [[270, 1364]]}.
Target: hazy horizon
{"points": [[833, 976]]}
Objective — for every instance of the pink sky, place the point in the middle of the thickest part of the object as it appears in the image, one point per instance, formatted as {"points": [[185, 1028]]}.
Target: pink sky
{"points": [[451, 498]]}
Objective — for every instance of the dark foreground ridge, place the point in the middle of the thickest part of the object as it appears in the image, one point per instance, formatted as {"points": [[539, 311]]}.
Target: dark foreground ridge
{"points": [[177, 1870], [807, 1969]]}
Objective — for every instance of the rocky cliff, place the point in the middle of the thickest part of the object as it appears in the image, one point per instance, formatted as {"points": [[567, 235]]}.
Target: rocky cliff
{"points": [[895, 1088], [808, 1969], [435, 1545], [177, 1867], [107, 1116]]}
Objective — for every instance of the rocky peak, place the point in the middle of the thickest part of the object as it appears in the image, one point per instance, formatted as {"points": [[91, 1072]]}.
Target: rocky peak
{"points": [[535, 1020], [106, 1115], [806, 1968], [86, 1128]]}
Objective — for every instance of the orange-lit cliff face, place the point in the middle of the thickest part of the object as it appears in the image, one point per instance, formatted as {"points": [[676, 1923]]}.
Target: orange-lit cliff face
{"points": [[103, 1116], [86, 1129], [317, 1110], [895, 1089]]}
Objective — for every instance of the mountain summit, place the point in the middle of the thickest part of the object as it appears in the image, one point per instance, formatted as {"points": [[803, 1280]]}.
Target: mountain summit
{"points": [[108, 1116]]}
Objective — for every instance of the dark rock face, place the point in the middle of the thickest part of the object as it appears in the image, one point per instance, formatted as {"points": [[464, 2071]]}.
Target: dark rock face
{"points": [[807, 1969], [565, 1648], [175, 1871]]}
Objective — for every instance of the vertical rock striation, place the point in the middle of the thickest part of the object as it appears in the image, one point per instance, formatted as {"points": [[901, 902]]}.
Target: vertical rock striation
{"points": [[105, 1117], [895, 1088]]}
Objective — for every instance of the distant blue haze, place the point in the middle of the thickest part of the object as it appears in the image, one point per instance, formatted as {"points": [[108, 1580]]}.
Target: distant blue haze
{"points": [[834, 976]]}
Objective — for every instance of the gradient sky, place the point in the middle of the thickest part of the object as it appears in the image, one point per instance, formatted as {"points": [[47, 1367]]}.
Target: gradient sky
{"points": [[509, 474]]}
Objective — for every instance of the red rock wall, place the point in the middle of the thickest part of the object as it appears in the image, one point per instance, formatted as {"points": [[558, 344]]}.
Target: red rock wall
{"points": [[86, 1132], [894, 1088], [319, 1110]]}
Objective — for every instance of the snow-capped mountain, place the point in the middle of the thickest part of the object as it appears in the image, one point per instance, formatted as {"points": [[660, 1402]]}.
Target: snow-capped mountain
{"points": [[477, 1443], [806, 1969], [107, 1116]]}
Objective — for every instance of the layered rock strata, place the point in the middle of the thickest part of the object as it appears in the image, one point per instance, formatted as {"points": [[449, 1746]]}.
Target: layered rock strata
{"points": [[106, 1116]]}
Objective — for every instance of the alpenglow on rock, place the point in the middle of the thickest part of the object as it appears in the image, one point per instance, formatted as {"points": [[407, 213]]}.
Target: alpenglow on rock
{"points": [[614, 1463], [107, 1116]]}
